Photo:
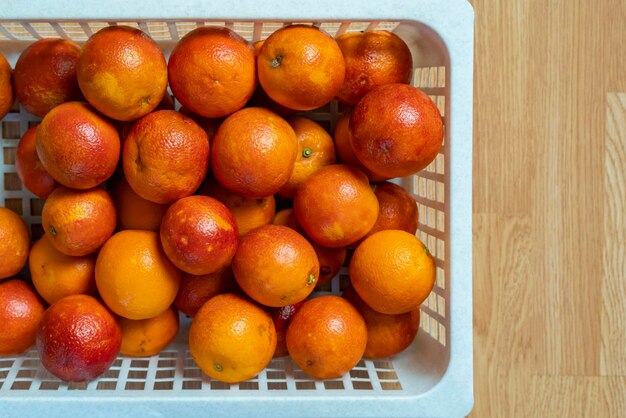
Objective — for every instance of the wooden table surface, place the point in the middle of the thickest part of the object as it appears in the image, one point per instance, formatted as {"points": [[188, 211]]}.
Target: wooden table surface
{"points": [[550, 208]]}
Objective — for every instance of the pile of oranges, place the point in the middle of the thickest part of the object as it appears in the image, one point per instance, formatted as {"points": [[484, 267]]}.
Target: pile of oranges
{"points": [[231, 210]]}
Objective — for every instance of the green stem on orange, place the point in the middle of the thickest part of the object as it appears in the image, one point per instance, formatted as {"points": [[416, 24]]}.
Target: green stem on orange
{"points": [[53, 231], [307, 152], [310, 280]]}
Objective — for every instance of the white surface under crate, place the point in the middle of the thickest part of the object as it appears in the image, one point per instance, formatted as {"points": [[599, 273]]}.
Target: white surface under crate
{"points": [[433, 378]]}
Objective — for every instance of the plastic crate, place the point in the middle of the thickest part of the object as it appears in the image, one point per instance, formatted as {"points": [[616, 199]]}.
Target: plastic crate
{"points": [[433, 378]]}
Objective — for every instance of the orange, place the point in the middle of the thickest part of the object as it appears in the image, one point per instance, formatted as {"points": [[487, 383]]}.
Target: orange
{"points": [[199, 235], [345, 153], [326, 337], [209, 125], [122, 72], [372, 59], [194, 291], [287, 217], [260, 97], [212, 71], [14, 243], [6, 87], [281, 317], [147, 337], [387, 335], [134, 277], [301, 67], [315, 150], [21, 311], [398, 209], [336, 206], [78, 338], [254, 152], [56, 275], [392, 271], [231, 339], [78, 222], [249, 213], [257, 47], [135, 212], [123, 127], [29, 168], [77, 146], [331, 260], [45, 75], [396, 130], [276, 266], [166, 156]]}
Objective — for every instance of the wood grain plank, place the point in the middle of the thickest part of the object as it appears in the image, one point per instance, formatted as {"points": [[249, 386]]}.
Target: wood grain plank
{"points": [[569, 181], [508, 312], [503, 87], [542, 72], [577, 396], [613, 325]]}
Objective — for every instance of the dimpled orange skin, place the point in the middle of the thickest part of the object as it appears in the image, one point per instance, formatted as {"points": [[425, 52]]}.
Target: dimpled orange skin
{"points": [[78, 222], [56, 275], [249, 213], [134, 276], [199, 235], [276, 266], [232, 339], [212, 71], [165, 157], [301, 67], [14, 243], [78, 147], [78, 339], [147, 337], [29, 168], [336, 206], [122, 72], [372, 59], [392, 271], [327, 337], [398, 209], [315, 150], [21, 311], [387, 335], [254, 152], [195, 291], [6, 87], [45, 75], [396, 130], [345, 153], [135, 212]]}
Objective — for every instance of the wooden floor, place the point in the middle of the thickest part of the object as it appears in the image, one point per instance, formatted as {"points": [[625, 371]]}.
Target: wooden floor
{"points": [[550, 208]]}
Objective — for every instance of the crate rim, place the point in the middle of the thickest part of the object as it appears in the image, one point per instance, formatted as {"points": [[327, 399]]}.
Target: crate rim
{"points": [[453, 395]]}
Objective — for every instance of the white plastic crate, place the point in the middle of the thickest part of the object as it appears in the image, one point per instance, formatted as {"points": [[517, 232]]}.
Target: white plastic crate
{"points": [[433, 378]]}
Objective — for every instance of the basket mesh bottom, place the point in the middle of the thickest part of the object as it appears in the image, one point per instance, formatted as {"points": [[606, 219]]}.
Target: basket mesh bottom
{"points": [[174, 369]]}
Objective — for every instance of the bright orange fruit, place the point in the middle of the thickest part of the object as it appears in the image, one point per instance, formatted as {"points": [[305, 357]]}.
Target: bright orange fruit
{"points": [[231, 338], [392, 271], [301, 67], [122, 72], [212, 71], [14, 243]]}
